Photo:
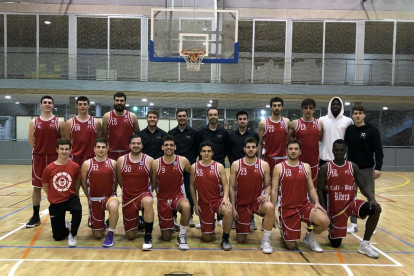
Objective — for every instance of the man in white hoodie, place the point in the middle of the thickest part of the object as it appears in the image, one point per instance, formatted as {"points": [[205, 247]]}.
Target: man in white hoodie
{"points": [[334, 127]]}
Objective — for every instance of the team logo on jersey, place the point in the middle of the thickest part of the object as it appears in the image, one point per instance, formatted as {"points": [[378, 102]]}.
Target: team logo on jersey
{"points": [[141, 163], [39, 126], [188, 137], [158, 137], [363, 135], [89, 122], [126, 116], [347, 172], [52, 121], [199, 172], [256, 166], [62, 181], [219, 135], [212, 167]]}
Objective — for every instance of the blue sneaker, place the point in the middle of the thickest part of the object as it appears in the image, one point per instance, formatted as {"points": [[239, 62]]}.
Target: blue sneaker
{"points": [[109, 241]]}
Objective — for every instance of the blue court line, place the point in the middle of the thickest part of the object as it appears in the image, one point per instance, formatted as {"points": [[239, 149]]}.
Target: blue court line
{"points": [[401, 240], [20, 210]]}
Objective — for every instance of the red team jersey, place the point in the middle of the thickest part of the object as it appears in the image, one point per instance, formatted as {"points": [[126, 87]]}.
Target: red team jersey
{"points": [[308, 134], [293, 183], [208, 182], [170, 179], [61, 180], [274, 138], [83, 136], [340, 185], [46, 133], [100, 178], [135, 177], [249, 182], [120, 128]]}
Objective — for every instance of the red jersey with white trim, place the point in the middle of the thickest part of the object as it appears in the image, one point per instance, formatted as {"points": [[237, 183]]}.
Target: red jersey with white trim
{"points": [[100, 178], [170, 178], [46, 133], [340, 186], [83, 136], [274, 138], [61, 180], [308, 134], [135, 177], [249, 182], [120, 128], [208, 182], [293, 186]]}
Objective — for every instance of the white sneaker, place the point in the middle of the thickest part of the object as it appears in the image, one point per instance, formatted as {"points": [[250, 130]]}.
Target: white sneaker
{"points": [[310, 240], [198, 225], [191, 223], [220, 223], [375, 231], [367, 249], [147, 245], [72, 241], [266, 247], [182, 242], [352, 228]]}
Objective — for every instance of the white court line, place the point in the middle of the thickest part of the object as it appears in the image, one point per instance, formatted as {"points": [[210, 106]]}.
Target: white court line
{"points": [[44, 212], [196, 262], [14, 268], [348, 270], [379, 251], [396, 195]]}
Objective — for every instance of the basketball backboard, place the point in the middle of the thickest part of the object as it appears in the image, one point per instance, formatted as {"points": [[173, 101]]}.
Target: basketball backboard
{"points": [[174, 30]]}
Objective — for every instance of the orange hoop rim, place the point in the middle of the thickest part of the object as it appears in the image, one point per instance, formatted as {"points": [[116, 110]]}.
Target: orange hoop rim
{"points": [[194, 52]]}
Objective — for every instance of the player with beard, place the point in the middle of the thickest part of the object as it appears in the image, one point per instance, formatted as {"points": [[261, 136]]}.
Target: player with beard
{"points": [[273, 133], [117, 126], [98, 174], [250, 175], [291, 185], [133, 172], [167, 178]]}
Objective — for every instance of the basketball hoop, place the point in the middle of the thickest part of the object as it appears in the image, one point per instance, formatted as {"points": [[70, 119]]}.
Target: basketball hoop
{"points": [[193, 58]]}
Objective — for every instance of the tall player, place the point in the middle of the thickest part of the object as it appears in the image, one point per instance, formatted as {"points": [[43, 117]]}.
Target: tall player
{"points": [[133, 171], [82, 130], [338, 178], [44, 131], [209, 178], [273, 133], [308, 130], [167, 177], [98, 174], [292, 182], [117, 126], [249, 174]]}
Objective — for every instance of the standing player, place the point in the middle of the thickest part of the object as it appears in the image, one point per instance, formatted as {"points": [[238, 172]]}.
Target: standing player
{"points": [[167, 178], [334, 127], [185, 139], [44, 131], [292, 182], [273, 133], [249, 174], [152, 136], [61, 180], [209, 178], [82, 130], [338, 178], [98, 174], [133, 172], [308, 130], [117, 126]]}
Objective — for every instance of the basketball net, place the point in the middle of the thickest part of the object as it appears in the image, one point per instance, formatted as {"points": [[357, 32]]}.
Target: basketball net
{"points": [[193, 58]]}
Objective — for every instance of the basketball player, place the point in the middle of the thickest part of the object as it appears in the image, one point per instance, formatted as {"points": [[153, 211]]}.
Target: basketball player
{"points": [[308, 130], [133, 172], [98, 174], [167, 178], [337, 178], [117, 126], [82, 130], [292, 182], [273, 133], [44, 131], [209, 178], [61, 181], [249, 174]]}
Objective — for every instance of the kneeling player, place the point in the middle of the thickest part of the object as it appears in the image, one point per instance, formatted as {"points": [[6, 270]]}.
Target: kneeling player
{"points": [[208, 177], [249, 174], [98, 174], [337, 177]]}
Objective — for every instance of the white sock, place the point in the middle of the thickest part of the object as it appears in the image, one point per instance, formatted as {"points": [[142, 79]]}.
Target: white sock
{"points": [[266, 235], [364, 242], [312, 233], [354, 224], [112, 230], [183, 230]]}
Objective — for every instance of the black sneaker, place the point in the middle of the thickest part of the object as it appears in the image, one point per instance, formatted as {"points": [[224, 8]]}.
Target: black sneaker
{"points": [[33, 222], [225, 245], [141, 224]]}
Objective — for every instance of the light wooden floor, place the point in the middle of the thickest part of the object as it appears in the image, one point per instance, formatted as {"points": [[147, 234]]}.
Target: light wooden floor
{"points": [[34, 252]]}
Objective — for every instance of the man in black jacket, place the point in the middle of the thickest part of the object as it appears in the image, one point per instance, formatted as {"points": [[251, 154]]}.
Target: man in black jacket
{"points": [[152, 136], [365, 150]]}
